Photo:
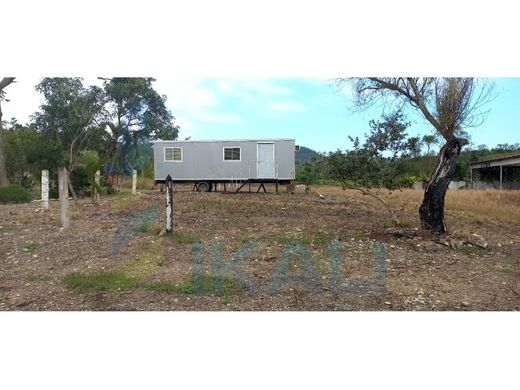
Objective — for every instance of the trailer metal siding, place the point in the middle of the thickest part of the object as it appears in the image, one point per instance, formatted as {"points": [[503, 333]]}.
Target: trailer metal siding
{"points": [[204, 160]]}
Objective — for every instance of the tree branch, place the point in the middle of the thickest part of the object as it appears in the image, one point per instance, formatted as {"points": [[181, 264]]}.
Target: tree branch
{"points": [[419, 100], [5, 82]]}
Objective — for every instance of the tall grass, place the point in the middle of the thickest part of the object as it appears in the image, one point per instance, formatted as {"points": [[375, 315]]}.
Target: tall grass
{"points": [[496, 205]]}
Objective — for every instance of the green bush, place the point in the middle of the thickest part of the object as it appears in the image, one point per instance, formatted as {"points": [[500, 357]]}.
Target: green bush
{"points": [[409, 181], [80, 181], [149, 172], [54, 191], [14, 193]]}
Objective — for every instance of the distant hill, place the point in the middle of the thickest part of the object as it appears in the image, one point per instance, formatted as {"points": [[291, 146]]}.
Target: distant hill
{"points": [[305, 155]]}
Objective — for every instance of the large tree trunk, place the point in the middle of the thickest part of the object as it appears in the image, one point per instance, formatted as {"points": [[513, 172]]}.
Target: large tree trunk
{"points": [[4, 181], [432, 208]]}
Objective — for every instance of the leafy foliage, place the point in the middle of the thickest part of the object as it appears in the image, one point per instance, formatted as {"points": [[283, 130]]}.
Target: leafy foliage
{"points": [[29, 151], [92, 163], [305, 155], [312, 172], [134, 114], [375, 162], [14, 193], [4, 181], [69, 116], [116, 120]]}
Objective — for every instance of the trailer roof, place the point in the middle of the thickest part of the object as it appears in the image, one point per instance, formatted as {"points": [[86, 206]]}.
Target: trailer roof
{"points": [[230, 140]]}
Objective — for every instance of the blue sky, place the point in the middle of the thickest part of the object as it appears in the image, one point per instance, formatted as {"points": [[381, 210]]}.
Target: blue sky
{"points": [[313, 111]]}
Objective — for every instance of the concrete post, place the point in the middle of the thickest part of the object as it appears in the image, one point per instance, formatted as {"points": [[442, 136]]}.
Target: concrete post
{"points": [[97, 180], [45, 189], [64, 197], [134, 182]]}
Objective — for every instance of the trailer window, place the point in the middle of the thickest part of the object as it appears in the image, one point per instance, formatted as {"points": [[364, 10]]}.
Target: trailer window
{"points": [[232, 154], [172, 154]]}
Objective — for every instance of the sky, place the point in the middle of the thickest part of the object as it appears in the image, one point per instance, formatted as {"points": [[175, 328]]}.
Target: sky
{"points": [[312, 110]]}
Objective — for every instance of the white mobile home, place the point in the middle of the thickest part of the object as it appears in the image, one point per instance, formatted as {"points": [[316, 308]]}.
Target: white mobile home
{"points": [[206, 162]]}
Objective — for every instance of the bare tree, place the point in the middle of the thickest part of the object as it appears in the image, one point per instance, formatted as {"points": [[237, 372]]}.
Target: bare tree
{"points": [[4, 181], [450, 105]]}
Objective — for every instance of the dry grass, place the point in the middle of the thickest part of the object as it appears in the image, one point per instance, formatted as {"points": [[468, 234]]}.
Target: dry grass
{"points": [[495, 204], [478, 205], [147, 272], [143, 183], [124, 200]]}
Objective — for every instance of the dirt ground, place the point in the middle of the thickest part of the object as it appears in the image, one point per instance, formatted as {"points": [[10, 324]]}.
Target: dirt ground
{"points": [[290, 264]]}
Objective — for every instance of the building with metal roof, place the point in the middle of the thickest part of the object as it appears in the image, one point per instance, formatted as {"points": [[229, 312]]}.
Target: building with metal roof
{"points": [[501, 171]]}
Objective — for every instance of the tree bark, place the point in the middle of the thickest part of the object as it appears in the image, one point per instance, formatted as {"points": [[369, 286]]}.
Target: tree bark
{"points": [[4, 181], [71, 187], [432, 209]]}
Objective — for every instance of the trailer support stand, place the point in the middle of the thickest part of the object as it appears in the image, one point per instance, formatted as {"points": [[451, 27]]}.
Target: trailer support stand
{"points": [[243, 184], [261, 186]]}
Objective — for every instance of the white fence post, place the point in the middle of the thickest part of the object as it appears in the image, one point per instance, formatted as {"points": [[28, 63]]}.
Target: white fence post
{"points": [[45, 189], [97, 180], [64, 197], [169, 203], [134, 182]]}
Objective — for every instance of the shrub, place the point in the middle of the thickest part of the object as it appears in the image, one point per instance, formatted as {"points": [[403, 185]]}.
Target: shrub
{"points": [[54, 191], [409, 181], [14, 193], [80, 180], [149, 172]]}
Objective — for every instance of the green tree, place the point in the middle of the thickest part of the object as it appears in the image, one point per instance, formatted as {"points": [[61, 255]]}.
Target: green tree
{"points": [[429, 140], [134, 114], [4, 181], [20, 143], [450, 105], [374, 164], [69, 116]]}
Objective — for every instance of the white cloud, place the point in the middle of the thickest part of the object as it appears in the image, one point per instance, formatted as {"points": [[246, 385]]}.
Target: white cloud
{"points": [[192, 101], [200, 100], [286, 106], [23, 99], [224, 86], [264, 87], [197, 100], [186, 95], [258, 87], [217, 117]]}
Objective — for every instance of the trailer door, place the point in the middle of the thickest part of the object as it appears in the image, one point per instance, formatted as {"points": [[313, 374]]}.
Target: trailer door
{"points": [[265, 161]]}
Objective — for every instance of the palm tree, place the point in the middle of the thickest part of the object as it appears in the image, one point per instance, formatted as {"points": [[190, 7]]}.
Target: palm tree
{"points": [[93, 163]]}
